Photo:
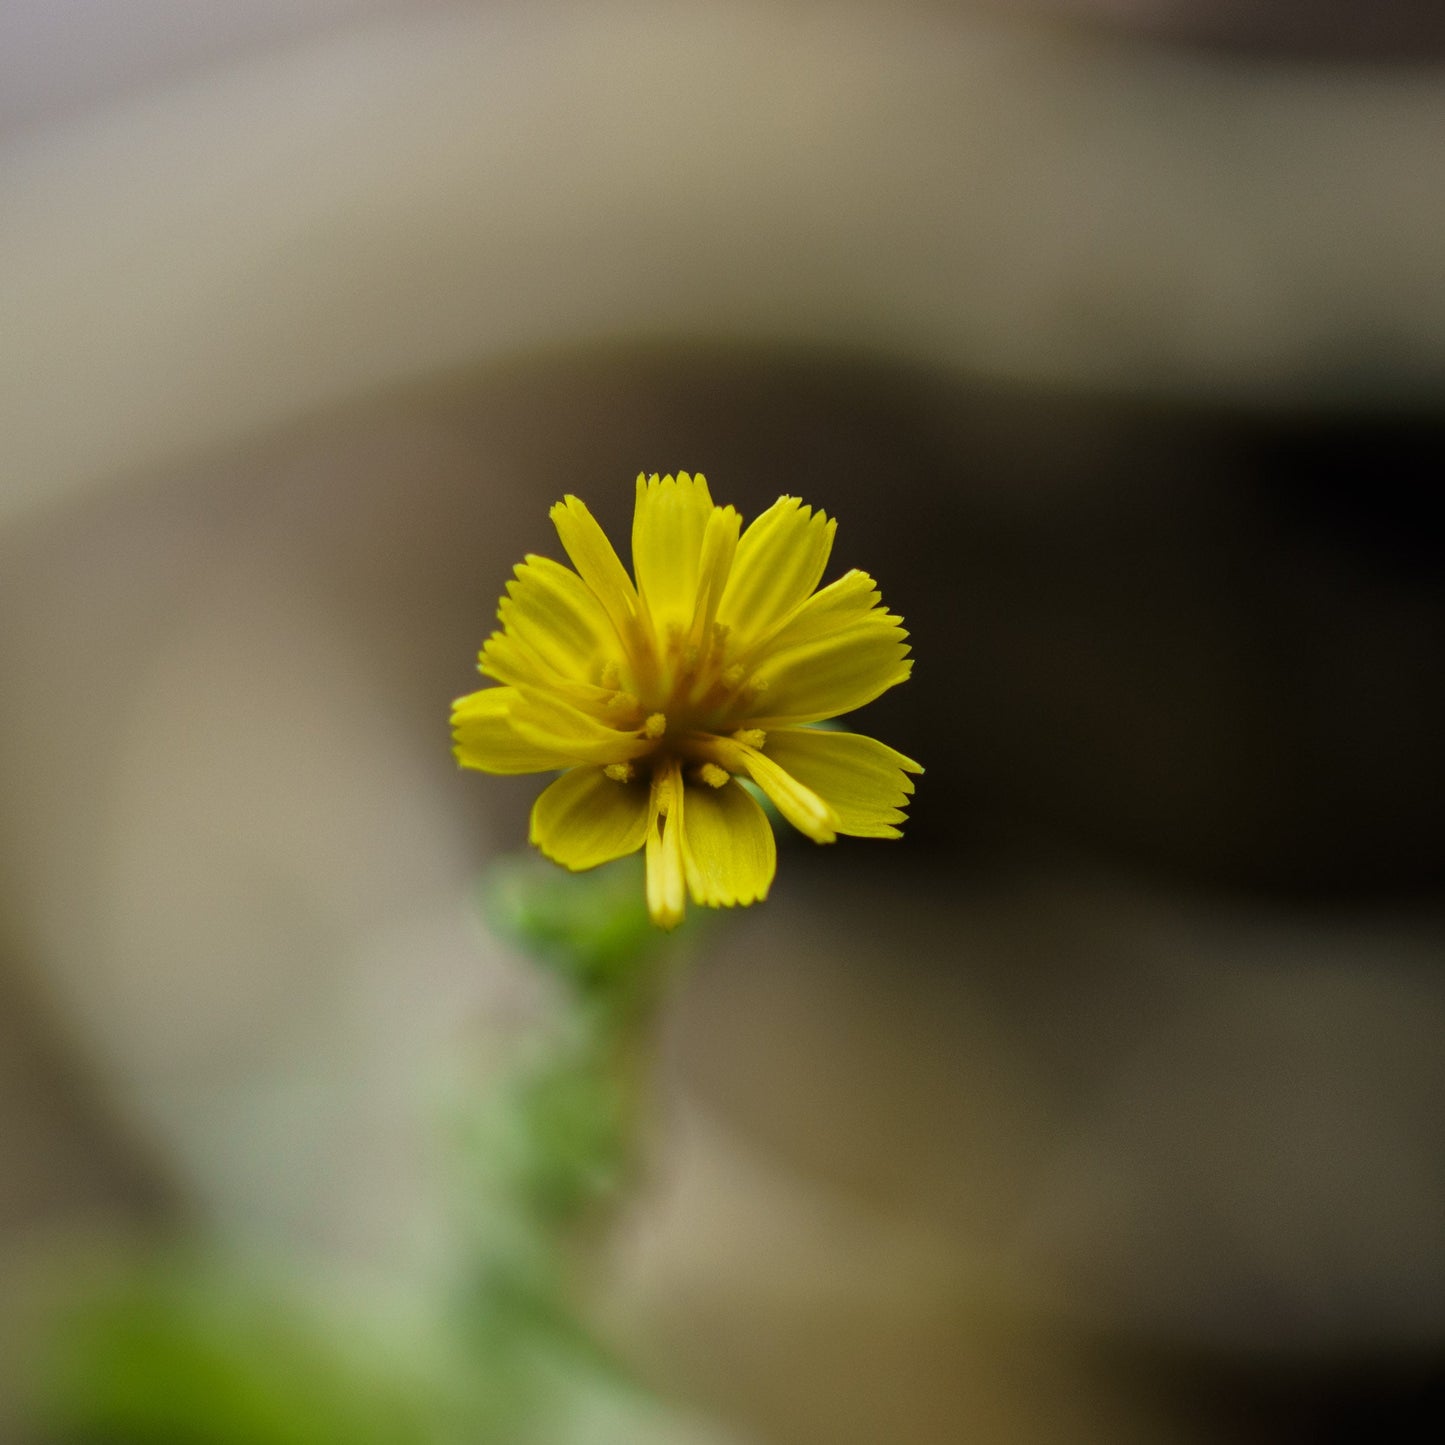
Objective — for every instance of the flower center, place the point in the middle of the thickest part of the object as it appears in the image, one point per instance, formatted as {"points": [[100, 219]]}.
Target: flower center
{"points": [[688, 697], [678, 685]]}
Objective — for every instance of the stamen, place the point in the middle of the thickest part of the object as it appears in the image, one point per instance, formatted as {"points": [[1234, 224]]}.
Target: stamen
{"points": [[733, 677], [656, 725], [611, 674], [620, 772], [712, 775], [751, 737]]}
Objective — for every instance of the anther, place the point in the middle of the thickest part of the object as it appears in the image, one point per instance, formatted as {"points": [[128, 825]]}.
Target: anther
{"points": [[713, 775], [620, 772], [750, 737], [656, 725], [611, 674], [733, 677]]}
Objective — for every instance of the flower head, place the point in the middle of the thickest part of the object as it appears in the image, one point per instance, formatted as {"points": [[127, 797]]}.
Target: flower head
{"points": [[657, 695]]}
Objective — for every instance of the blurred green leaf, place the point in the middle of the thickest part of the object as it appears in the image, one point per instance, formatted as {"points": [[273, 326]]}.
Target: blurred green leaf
{"points": [[204, 1352], [591, 928], [210, 1350]]}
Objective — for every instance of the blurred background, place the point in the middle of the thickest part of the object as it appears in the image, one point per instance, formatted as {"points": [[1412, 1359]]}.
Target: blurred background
{"points": [[1104, 1107]]}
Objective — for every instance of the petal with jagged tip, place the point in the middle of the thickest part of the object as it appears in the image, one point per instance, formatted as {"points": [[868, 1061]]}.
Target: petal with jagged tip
{"points": [[551, 611], [831, 675], [800, 805], [596, 561], [780, 560], [853, 597], [549, 723], [484, 738], [667, 534], [865, 782], [508, 660]]}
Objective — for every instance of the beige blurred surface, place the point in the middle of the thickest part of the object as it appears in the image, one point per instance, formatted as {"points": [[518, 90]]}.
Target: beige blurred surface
{"points": [[416, 190], [931, 1169]]}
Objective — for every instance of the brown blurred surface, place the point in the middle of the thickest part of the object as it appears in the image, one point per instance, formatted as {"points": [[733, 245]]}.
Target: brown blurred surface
{"points": [[1030, 1152], [1339, 30]]}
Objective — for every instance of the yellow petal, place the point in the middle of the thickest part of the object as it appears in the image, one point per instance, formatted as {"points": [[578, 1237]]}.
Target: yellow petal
{"points": [[848, 600], [585, 818], [558, 619], [865, 782], [780, 560], [666, 874], [719, 546], [667, 531], [484, 738], [800, 805], [509, 660], [832, 674], [549, 724], [729, 854], [596, 561]]}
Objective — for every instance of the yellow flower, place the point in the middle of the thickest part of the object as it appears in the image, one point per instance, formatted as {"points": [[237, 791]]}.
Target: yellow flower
{"points": [[656, 697]]}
